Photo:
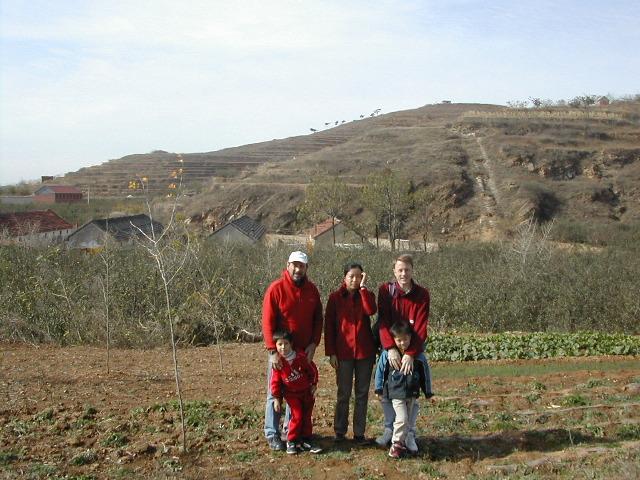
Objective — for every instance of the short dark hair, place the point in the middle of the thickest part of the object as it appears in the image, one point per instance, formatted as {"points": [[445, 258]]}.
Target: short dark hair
{"points": [[351, 265], [401, 328], [282, 334], [404, 258]]}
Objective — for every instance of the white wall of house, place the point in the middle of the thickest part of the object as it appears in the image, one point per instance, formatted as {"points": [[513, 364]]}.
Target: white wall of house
{"points": [[230, 234], [87, 236], [343, 236], [44, 239], [16, 200]]}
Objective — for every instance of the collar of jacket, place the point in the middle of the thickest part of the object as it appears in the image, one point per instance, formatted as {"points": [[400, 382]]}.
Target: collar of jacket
{"points": [[396, 290], [289, 280], [344, 291]]}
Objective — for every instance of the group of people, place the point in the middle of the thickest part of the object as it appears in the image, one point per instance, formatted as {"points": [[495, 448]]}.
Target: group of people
{"points": [[292, 325]]}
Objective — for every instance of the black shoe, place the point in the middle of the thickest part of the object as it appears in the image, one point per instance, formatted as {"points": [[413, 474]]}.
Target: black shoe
{"points": [[292, 448], [276, 444], [339, 437], [361, 440], [307, 446]]}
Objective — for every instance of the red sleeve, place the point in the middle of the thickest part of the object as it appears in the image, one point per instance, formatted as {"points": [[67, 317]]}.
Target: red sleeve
{"points": [[317, 320], [368, 302], [269, 316], [330, 321], [384, 316], [420, 326], [276, 384]]}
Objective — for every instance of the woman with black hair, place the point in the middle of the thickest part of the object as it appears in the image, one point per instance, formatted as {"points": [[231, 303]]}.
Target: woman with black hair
{"points": [[350, 346]]}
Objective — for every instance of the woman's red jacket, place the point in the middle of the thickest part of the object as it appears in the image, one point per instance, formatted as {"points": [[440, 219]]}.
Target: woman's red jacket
{"points": [[347, 327]]}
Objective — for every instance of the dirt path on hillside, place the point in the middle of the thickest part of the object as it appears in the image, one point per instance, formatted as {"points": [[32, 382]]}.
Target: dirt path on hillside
{"points": [[62, 414], [486, 191]]}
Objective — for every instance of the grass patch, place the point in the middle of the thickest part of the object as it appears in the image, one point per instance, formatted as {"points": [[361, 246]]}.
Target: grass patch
{"points": [[245, 456], [465, 347], [84, 458], [41, 470], [8, 456], [575, 400], [629, 432], [115, 439], [509, 369], [431, 471], [46, 416]]}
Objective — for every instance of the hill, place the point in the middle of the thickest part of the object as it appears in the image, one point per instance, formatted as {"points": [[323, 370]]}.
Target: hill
{"points": [[485, 169]]}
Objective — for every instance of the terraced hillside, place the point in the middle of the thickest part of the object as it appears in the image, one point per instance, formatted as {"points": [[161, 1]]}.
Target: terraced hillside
{"points": [[484, 169]]}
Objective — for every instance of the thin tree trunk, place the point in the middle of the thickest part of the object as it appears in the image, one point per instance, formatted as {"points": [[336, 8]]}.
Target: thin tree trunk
{"points": [[175, 355]]}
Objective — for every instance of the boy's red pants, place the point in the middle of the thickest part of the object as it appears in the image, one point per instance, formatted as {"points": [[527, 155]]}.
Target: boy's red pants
{"points": [[301, 406]]}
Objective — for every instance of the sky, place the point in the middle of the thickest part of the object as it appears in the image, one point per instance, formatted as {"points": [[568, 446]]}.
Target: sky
{"points": [[82, 82]]}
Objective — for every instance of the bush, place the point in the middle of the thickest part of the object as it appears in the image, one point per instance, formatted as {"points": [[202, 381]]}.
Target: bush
{"points": [[55, 296]]}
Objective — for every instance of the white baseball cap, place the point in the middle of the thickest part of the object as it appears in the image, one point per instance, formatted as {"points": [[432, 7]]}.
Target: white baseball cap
{"points": [[298, 257]]}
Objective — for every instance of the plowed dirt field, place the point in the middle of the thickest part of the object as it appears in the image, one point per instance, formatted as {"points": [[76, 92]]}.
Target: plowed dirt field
{"points": [[63, 416]]}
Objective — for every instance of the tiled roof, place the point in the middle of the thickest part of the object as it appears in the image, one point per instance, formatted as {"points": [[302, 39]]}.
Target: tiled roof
{"points": [[322, 227], [37, 221], [59, 189], [249, 227], [124, 228]]}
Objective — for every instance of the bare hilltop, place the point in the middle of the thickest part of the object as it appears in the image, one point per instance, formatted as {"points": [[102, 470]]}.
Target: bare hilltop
{"points": [[478, 169]]}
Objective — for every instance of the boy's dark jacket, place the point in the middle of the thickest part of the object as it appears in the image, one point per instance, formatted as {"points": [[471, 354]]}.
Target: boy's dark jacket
{"points": [[392, 384]]}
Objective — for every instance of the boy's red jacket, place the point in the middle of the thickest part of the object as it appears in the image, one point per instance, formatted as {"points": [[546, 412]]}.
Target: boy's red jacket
{"points": [[294, 308], [297, 376], [347, 326], [413, 307]]}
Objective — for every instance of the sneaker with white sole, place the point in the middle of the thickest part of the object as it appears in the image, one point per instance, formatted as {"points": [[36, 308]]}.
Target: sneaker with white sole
{"points": [[276, 444], [307, 446], [292, 448], [384, 439], [397, 450], [410, 443]]}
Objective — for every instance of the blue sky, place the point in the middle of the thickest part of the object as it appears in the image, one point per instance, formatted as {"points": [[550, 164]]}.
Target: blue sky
{"points": [[82, 82]]}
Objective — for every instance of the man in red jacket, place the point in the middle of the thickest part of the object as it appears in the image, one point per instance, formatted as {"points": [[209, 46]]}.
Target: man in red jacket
{"points": [[402, 300], [290, 303]]}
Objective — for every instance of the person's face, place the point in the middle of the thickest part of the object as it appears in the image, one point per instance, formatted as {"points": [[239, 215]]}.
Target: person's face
{"points": [[353, 278], [297, 270], [403, 273], [283, 346], [402, 341]]}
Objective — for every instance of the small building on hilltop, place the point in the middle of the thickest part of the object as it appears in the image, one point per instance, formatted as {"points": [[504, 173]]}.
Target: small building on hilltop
{"points": [[125, 230], [243, 230], [57, 194], [334, 233], [36, 228]]}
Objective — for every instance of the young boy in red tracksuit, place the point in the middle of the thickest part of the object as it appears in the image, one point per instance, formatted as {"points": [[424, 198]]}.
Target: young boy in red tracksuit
{"points": [[296, 381]]}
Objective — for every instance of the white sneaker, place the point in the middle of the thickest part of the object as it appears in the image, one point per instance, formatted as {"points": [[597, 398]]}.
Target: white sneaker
{"points": [[410, 442], [384, 439]]}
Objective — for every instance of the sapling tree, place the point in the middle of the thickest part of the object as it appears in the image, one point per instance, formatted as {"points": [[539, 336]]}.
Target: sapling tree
{"points": [[106, 256], [169, 250]]}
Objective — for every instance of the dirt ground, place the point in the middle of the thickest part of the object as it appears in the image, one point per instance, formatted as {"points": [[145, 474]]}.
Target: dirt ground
{"points": [[63, 416]]}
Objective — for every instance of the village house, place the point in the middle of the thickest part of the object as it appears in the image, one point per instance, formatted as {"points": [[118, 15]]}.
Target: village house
{"points": [[36, 228], [333, 233], [124, 231], [57, 194], [243, 230]]}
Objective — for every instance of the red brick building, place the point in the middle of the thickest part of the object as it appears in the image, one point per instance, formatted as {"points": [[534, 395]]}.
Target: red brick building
{"points": [[57, 194]]}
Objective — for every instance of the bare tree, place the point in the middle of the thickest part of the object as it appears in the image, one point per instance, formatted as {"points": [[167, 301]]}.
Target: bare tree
{"points": [[326, 197], [169, 252], [389, 198]]}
